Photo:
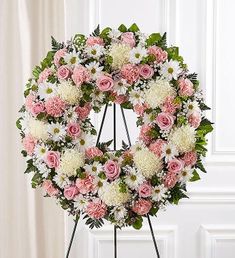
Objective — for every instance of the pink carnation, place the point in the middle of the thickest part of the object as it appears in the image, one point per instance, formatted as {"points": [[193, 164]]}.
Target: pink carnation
{"points": [[128, 38], [170, 180], [146, 71], [63, 72], [93, 152], [119, 99], [74, 130], [169, 106], [195, 119], [96, 209], [55, 106], [145, 190], [37, 108], [29, 101], [130, 72], [91, 41], [49, 188], [29, 144], [105, 82], [44, 75], [83, 112], [175, 165], [145, 133], [190, 158], [80, 75], [157, 146], [85, 185], [159, 54], [140, 108], [52, 159], [112, 169], [142, 207], [58, 55], [186, 87], [70, 192]]}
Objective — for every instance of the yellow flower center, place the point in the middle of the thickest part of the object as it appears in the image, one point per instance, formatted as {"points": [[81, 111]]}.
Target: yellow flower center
{"points": [[73, 60], [49, 90], [170, 70], [56, 130]]}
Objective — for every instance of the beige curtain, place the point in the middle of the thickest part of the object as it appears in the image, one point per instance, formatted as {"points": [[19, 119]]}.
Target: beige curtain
{"points": [[30, 226]]}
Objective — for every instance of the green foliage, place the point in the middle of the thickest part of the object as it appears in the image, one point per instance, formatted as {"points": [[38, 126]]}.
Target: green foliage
{"points": [[47, 61], [153, 211], [93, 223], [96, 32], [125, 146], [18, 124], [122, 187], [104, 33], [163, 41], [36, 180], [134, 28], [205, 126], [203, 106], [200, 166], [195, 176], [56, 45], [127, 105], [36, 71], [122, 28], [177, 193], [104, 145], [153, 39], [79, 40], [138, 223]]}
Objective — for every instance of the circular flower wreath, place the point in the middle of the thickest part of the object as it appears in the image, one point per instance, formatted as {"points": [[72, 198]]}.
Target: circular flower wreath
{"points": [[139, 72]]}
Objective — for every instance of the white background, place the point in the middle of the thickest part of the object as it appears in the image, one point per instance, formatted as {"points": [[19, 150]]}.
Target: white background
{"points": [[201, 227]]}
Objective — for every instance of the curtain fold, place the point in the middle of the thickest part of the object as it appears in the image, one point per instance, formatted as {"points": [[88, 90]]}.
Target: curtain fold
{"points": [[30, 225]]}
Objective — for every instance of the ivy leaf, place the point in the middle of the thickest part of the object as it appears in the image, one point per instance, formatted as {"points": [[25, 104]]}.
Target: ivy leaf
{"points": [[195, 176], [18, 124], [153, 39], [138, 223], [24, 153], [153, 211], [134, 28], [205, 126], [122, 28], [36, 180], [105, 32]]}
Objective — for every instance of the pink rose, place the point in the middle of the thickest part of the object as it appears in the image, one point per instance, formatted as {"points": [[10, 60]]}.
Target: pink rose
{"points": [[44, 75], [190, 158], [49, 188], [195, 119], [159, 54], [80, 75], [170, 180], [112, 169], [70, 192], [105, 82], [142, 207], [169, 106], [37, 108], [52, 159], [58, 55], [175, 165], [140, 108], [145, 190], [29, 101], [83, 112], [63, 72], [74, 130], [186, 87], [130, 72], [55, 106], [165, 121], [85, 185], [145, 133], [29, 144], [146, 71], [91, 41], [93, 152], [157, 146], [128, 38], [119, 99], [96, 209]]}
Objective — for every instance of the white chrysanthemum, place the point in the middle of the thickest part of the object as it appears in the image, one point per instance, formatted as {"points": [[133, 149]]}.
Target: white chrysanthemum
{"points": [[68, 92], [38, 129], [110, 194], [133, 178], [120, 54], [136, 97], [169, 151], [70, 161], [185, 175], [157, 93], [170, 70], [57, 131], [183, 138], [47, 90], [159, 193], [147, 163], [94, 69], [137, 54], [61, 180]]}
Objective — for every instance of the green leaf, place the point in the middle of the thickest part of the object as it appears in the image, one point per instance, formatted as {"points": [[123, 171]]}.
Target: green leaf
{"points": [[203, 106], [153, 39], [47, 61], [153, 211], [36, 71], [134, 28], [138, 223], [79, 40], [122, 28], [205, 126], [24, 153], [96, 32], [200, 166], [105, 32], [56, 45], [18, 124], [36, 180], [163, 41], [195, 176], [127, 105], [125, 146]]}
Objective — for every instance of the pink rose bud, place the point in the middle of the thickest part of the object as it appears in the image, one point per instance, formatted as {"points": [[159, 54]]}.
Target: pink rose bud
{"points": [[49, 188], [130, 72], [96, 209], [165, 121], [186, 87], [105, 82], [52, 159], [146, 71], [63, 72], [190, 158], [44, 75], [145, 190], [142, 207], [37, 108], [70, 192], [74, 130], [93, 152], [175, 165], [128, 38], [195, 119], [29, 144], [170, 180], [80, 75], [112, 169], [58, 55]]}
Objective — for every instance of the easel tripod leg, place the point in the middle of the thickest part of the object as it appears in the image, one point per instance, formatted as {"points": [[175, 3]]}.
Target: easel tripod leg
{"points": [[153, 237]]}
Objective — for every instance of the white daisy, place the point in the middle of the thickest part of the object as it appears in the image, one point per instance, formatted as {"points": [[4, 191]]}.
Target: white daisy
{"points": [[57, 131], [120, 87], [43, 169], [94, 51], [114, 34], [47, 90], [137, 54], [170, 70], [119, 212], [40, 150], [95, 168], [159, 193], [136, 97], [71, 58], [70, 115], [169, 151], [94, 69], [25, 122], [80, 202], [61, 180], [134, 178], [186, 174], [191, 107], [84, 141], [97, 96]]}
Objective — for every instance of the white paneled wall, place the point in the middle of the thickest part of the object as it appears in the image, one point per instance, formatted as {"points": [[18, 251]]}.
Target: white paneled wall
{"points": [[203, 226]]}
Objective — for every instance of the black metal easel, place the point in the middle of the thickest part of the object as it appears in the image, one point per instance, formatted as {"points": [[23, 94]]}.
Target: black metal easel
{"points": [[114, 148]]}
